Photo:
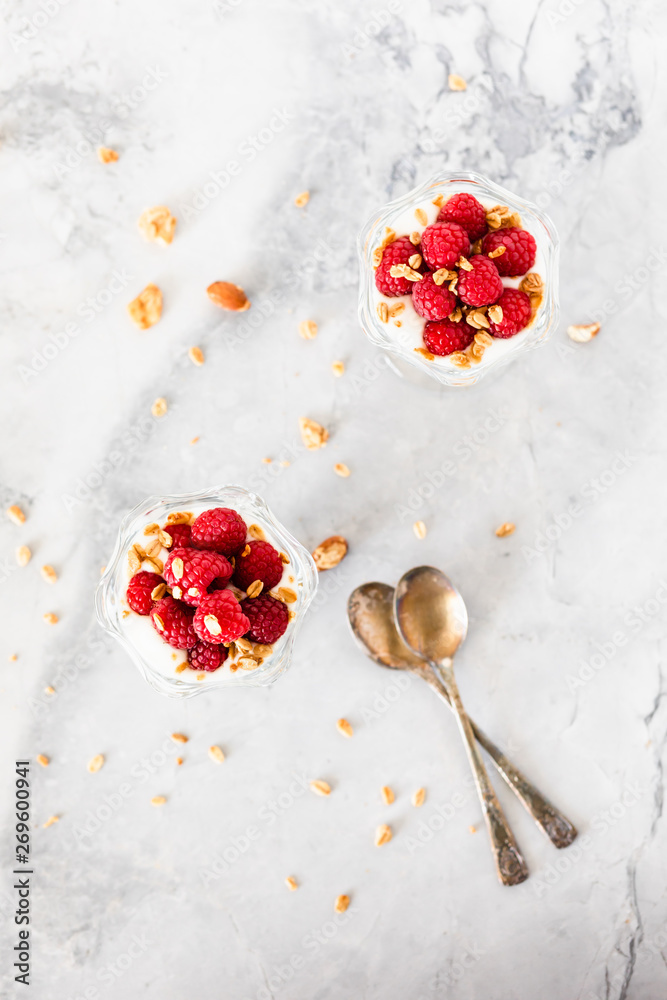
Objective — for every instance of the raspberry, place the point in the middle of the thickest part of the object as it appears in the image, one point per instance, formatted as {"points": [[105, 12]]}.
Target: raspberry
{"points": [[180, 535], [432, 301], [482, 285], [139, 591], [446, 337], [220, 529], [219, 618], [189, 573], [268, 618], [174, 622], [204, 656], [516, 308], [443, 243], [467, 211], [262, 562], [520, 249], [398, 252]]}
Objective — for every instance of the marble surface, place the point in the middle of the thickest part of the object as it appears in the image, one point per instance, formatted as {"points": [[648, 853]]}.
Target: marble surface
{"points": [[564, 664]]}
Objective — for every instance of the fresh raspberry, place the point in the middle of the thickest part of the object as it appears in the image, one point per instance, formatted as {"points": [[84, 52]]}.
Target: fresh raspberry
{"points": [[189, 573], [139, 591], [467, 211], [204, 656], [180, 535], [173, 620], [446, 337], [220, 529], [516, 308], [432, 301], [262, 562], [443, 243], [520, 250], [398, 252], [268, 618], [482, 285], [219, 618]]}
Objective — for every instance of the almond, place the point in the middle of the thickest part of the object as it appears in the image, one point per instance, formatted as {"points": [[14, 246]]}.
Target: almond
{"points": [[228, 296]]}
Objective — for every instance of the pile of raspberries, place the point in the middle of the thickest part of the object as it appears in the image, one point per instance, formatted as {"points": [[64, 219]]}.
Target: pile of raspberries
{"points": [[457, 269], [194, 607]]}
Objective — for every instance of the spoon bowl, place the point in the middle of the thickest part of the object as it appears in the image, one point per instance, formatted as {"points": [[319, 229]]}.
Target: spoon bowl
{"points": [[430, 614], [370, 612]]}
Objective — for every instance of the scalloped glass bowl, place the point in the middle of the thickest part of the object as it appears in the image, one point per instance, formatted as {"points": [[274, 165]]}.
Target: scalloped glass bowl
{"points": [[399, 216], [110, 596]]}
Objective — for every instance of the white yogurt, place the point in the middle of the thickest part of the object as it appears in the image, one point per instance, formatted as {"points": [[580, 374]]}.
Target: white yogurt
{"points": [[163, 658], [407, 329]]}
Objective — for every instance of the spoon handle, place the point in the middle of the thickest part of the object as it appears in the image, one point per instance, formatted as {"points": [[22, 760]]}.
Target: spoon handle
{"points": [[558, 828], [510, 865]]}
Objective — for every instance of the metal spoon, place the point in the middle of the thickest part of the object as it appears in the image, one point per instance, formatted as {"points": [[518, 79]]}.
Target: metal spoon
{"points": [[433, 621], [370, 611]]}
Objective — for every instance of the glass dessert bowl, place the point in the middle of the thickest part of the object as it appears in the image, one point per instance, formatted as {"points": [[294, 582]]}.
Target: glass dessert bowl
{"points": [[188, 625], [415, 282]]}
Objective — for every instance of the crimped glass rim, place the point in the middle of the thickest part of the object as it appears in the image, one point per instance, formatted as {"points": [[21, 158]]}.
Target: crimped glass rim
{"points": [[541, 227], [111, 588]]}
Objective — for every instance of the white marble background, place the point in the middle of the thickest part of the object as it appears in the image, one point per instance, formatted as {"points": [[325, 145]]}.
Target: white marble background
{"points": [[565, 104]]}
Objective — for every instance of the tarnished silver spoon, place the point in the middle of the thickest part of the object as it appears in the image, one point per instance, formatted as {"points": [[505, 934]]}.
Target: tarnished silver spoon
{"points": [[370, 611], [433, 621]]}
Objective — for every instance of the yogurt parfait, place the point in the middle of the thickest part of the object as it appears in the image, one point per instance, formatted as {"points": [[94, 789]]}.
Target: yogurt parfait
{"points": [[458, 277], [206, 590]]}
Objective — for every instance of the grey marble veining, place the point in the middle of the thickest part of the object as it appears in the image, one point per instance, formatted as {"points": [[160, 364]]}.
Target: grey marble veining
{"points": [[564, 660]]}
